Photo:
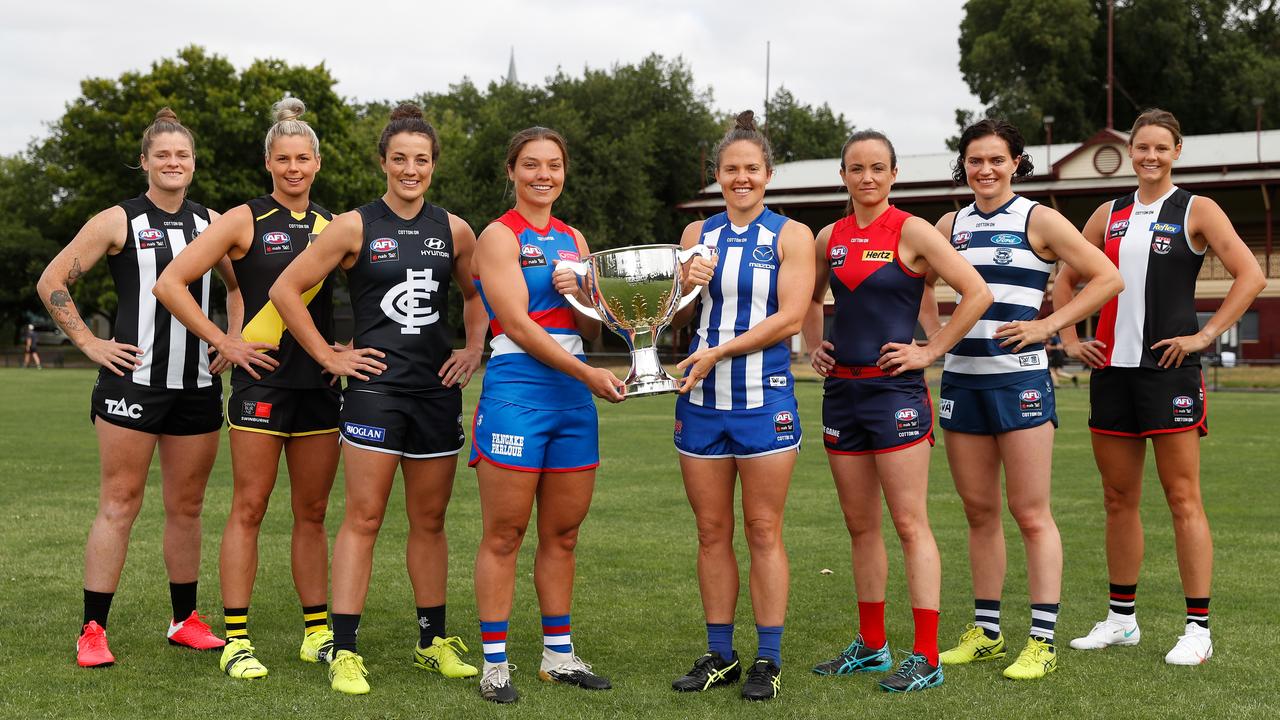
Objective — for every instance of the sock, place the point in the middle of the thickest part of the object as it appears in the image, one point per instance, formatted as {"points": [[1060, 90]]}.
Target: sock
{"points": [[430, 625], [1123, 598], [1044, 616], [555, 633], [315, 618], [769, 638], [986, 615], [720, 639], [345, 629], [1198, 612], [871, 624], [236, 621], [493, 636], [926, 641], [97, 605], [183, 597]]}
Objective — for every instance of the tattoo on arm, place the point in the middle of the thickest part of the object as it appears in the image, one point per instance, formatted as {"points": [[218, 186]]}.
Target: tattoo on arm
{"points": [[75, 272], [64, 311]]}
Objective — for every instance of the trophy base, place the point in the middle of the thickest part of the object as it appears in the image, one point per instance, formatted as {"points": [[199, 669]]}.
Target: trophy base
{"points": [[660, 385]]}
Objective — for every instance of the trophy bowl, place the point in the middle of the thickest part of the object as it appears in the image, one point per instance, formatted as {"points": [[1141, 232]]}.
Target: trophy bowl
{"points": [[635, 291]]}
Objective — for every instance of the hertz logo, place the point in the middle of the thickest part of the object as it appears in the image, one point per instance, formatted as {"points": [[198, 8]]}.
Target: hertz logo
{"points": [[877, 255]]}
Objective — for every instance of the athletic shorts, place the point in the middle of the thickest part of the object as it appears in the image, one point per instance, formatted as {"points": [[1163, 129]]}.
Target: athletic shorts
{"points": [[705, 432], [991, 411], [285, 412], [515, 437], [1140, 402], [411, 426], [158, 411], [869, 415]]}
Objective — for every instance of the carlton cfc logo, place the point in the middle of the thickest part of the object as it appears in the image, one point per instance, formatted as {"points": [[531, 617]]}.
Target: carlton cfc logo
{"points": [[275, 238], [1030, 396], [408, 303], [382, 245], [906, 415], [531, 251]]}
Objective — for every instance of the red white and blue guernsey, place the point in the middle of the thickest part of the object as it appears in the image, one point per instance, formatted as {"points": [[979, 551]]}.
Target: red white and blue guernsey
{"points": [[518, 424]]}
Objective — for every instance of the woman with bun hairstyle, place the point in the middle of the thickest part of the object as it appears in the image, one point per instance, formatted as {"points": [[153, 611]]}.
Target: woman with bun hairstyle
{"points": [[402, 406], [281, 399], [156, 387], [535, 430], [1146, 380], [997, 400], [877, 419], [736, 417]]}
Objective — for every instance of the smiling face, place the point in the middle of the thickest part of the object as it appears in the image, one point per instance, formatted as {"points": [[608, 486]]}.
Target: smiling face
{"points": [[169, 162], [989, 167], [868, 172], [293, 165], [408, 165], [538, 173], [743, 175], [1153, 151]]}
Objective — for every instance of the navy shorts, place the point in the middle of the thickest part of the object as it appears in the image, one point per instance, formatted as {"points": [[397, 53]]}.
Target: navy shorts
{"points": [[992, 411], [158, 411], [1141, 402], [515, 437], [284, 412], [412, 426], [862, 416], [705, 432]]}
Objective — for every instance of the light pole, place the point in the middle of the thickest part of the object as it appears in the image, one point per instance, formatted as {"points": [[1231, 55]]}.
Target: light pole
{"points": [[1257, 108], [1048, 144]]}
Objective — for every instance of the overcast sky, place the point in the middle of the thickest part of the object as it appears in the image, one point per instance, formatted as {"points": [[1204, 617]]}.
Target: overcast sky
{"points": [[892, 66]]}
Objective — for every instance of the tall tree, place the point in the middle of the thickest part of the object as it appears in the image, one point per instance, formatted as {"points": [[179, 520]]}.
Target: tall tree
{"points": [[803, 132]]}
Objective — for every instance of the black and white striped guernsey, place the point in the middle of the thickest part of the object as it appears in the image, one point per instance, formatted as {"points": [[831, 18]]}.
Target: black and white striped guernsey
{"points": [[171, 357]]}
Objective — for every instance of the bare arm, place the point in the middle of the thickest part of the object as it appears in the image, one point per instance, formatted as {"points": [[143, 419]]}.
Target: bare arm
{"points": [[689, 238], [104, 233], [1064, 291], [795, 292], [462, 364], [338, 244], [814, 321]]}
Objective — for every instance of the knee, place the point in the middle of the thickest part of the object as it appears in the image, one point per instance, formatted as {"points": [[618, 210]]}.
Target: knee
{"points": [[1120, 500], [714, 535], [564, 541], [1033, 520], [1185, 504], [503, 541], [981, 513], [310, 512], [763, 533], [365, 523], [911, 529], [120, 508], [431, 525], [249, 512]]}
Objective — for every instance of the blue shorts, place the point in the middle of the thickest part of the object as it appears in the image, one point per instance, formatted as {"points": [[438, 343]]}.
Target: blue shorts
{"points": [[992, 411], [520, 438], [709, 433], [863, 416]]}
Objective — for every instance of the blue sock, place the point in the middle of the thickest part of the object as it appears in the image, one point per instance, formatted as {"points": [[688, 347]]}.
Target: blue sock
{"points": [[555, 633], [493, 636], [770, 639], [720, 639]]}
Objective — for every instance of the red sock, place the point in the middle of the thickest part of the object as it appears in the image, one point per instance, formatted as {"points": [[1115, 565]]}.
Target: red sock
{"points": [[926, 643], [871, 624]]}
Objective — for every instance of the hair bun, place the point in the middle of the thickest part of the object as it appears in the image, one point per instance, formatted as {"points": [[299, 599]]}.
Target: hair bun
{"points": [[406, 110], [290, 108], [745, 120], [166, 114]]}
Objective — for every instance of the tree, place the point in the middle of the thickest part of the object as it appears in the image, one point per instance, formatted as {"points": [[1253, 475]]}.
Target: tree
{"points": [[803, 132], [25, 195]]}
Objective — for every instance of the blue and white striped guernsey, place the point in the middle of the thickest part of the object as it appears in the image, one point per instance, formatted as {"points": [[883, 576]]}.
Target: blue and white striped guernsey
{"points": [[743, 292], [996, 244]]}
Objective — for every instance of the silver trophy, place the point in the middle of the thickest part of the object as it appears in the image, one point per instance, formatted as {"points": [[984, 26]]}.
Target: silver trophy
{"points": [[636, 291]]}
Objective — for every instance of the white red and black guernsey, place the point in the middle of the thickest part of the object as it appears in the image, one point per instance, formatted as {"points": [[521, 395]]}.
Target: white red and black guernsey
{"points": [[279, 236], [1150, 246], [172, 357], [400, 298]]}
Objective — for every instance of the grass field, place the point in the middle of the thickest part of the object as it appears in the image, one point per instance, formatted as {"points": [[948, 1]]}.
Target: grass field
{"points": [[637, 617]]}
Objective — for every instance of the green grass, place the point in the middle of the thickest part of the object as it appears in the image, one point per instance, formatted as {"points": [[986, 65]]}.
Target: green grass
{"points": [[637, 616]]}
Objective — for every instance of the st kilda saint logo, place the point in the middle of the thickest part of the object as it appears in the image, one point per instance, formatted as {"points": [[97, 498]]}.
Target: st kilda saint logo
{"points": [[409, 303]]}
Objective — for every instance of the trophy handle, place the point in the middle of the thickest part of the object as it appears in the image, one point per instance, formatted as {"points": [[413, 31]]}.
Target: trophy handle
{"points": [[580, 269], [685, 256]]}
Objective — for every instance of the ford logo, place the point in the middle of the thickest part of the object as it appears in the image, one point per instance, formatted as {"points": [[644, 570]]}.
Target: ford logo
{"points": [[1006, 239]]}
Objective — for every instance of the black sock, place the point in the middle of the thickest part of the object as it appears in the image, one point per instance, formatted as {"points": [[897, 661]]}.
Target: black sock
{"points": [[1123, 598], [236, 621], [97, 605], [183, 597], [1198, 611], [430, 625], [345, 628]]}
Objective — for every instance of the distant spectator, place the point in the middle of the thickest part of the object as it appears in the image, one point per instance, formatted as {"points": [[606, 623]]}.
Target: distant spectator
{"points": [[30, 347]]}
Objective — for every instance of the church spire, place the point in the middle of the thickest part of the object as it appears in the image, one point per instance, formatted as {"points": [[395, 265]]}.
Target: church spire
{"points": [[511, 69]]}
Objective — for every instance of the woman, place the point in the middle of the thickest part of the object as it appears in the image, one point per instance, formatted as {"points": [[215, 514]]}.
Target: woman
{"points": [[1146, 380], [876, 413], [280, 400], [156, 386], [402, 406], [535, 432], [736, 416], [997, 401], [31, 347]]}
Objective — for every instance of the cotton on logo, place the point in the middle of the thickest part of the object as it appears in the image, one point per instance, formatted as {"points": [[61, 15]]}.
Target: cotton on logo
{"points": [[122, 408], [407, 303]]}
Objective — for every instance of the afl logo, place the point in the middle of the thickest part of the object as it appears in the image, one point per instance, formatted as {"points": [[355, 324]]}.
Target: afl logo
{"points": [[434, 244], [906, 415], [531, 251], [763, 254], [838, 252], [150, 235], [275, 238], [1182, 402], [1030, 396], [783, 417], [1119, 228], [1006, 239], [961, 239], [383, 245]]}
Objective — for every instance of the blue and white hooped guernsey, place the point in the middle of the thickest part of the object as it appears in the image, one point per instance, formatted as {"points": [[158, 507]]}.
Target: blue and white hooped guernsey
{"points": [[996, 244], [743, 292]]}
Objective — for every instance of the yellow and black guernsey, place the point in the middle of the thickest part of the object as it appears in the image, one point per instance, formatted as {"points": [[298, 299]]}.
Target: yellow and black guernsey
{"points": [[279, 236]]}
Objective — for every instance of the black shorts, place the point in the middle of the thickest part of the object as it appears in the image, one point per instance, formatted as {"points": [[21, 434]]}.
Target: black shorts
{"points": [[285, 412], [407, 425], [158, 411], [869, 415], [1141, 402]]}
